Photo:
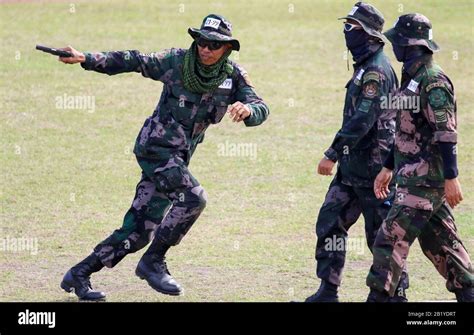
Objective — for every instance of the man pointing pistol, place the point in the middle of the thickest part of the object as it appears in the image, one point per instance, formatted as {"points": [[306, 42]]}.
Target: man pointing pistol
{"points": [[200, 85]]}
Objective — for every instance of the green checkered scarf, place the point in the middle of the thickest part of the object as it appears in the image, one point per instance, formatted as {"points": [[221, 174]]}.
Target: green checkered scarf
{"points": [[200, 78]]}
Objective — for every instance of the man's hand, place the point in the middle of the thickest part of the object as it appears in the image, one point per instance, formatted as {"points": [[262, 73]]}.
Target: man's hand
{"points": [[325, 167], [239, 111], [452, 189], [77, 56], [381, 183]]}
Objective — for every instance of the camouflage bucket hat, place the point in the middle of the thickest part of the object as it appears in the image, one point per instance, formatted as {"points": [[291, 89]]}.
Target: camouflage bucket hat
{"points": [[215, 28], [369, 17], [412, 29]]}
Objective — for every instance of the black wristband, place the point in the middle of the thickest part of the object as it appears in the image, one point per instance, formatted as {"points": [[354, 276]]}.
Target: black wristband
{"points": [[389, 162], [448, 152]]}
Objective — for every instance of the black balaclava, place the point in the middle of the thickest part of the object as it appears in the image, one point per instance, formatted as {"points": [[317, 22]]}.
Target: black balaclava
{"points": [[409, 54], [357, 42], [361, 44]]}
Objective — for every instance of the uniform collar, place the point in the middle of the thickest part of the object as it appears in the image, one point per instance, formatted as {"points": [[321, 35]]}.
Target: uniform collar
{"points": [[417, 64], [372, 51]]}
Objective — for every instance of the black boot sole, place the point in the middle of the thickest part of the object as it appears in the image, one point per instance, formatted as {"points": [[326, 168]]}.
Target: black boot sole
{"points": [[70, 289], [158, 289]]}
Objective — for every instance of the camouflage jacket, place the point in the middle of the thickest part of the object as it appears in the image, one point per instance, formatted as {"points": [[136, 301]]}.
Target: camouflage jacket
{"points": [[418, 160], [181, 117], [367, 132]]}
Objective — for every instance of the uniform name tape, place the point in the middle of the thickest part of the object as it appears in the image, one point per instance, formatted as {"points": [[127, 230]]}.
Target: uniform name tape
{"points": [[227, 84], [359, 75], [413, 85]]}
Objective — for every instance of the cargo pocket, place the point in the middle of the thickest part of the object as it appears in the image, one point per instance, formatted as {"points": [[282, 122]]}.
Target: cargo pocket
{"points": [[171, 179], [182, 113], [181, 104], [404, 198]]}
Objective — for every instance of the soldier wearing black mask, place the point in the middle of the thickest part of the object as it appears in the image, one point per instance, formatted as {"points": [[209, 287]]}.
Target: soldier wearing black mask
{"points": [[359, 148]]}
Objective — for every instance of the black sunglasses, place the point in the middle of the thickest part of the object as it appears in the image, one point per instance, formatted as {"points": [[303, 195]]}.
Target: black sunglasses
{"points": [[211, 45], [350, 26]]}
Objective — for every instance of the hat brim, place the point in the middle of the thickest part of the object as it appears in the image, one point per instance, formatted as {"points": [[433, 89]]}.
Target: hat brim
{"points": [[396, 38], [368, 30], [214, 36]]}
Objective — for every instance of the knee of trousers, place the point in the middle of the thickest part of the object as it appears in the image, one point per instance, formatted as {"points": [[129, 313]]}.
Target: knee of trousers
{"points": [[195, 197], [327, 225]]}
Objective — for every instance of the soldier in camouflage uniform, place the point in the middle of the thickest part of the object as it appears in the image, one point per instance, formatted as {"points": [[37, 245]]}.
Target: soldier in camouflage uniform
{"points": [[423, 160], [360, 147], [200, 83]]}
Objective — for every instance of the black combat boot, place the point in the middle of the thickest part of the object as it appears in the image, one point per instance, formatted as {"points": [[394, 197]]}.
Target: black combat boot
{"points": [[77, 279], [465, 294], [152, 267], [327, 292], [377, 296]]}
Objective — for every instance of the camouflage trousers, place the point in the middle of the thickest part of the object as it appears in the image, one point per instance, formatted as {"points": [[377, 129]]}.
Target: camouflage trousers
{"points": [[421, 213], [341, 209], [168, 200]]}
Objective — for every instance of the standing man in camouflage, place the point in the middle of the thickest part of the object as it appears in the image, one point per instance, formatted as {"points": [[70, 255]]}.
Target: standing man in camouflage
{"points": [[200, 85], [423, 160], [360, 147]]}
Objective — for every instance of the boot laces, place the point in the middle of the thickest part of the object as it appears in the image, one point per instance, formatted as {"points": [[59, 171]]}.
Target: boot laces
{"points": [[160, 265]]}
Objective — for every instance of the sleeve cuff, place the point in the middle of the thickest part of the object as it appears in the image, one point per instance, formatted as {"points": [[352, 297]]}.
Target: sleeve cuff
{"points": [[249, 119], [445, 136], [450, 173], [87, 65], [389, 162], [331, 154]]}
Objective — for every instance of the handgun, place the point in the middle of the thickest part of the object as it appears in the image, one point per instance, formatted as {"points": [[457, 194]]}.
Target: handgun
{"points": [[53, 51]]}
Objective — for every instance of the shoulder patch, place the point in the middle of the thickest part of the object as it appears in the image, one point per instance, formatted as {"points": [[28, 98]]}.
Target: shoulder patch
{"points": [[370, 90], [247, 79], [241, 71], [371, 76], [433, 85], [437, 97], [441, 115]]}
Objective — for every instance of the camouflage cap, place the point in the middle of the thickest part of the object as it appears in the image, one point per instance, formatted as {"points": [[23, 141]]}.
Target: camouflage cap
{"points": [[412, 29], [216, 28], [369, 17]]}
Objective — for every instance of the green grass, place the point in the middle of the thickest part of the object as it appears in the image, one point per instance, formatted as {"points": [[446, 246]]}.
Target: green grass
{"points": [[255, 240]]}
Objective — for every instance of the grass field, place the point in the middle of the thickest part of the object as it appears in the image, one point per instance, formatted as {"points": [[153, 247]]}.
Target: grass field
{"points": [[68, 176]]}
